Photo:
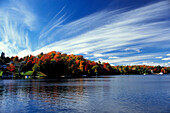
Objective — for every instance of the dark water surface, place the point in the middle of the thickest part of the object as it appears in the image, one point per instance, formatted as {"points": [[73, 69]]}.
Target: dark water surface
{"points": [[112, 94]]}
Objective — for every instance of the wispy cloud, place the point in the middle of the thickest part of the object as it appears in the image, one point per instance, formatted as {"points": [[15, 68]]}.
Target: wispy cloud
{"points": [[136, 60], [111, 31], [55, 22], [117, 37], [166, 59], [158, 57], [113, 57], [134, 49], [15, 22], [98, 55], [156, 64], [129, 59]]}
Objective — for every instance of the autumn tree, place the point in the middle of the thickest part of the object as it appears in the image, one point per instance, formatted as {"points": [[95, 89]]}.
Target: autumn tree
{"points": [[11, 67]]}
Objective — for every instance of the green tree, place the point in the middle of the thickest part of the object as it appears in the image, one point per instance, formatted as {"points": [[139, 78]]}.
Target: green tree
{"points": [[95, 68], [35, 67]]}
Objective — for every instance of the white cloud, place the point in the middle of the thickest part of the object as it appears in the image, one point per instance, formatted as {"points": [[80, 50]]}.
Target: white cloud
{"points": [[98, 55], [112, 31], [54, 23], [168, 55], [112, 64], [86, 57], [113, 57], [158, 57], [134, 49], [122, 60], [27, 17], [155, 64], [24, 53], [100, 59], [15, 22], [109, 31], [166, 59]]}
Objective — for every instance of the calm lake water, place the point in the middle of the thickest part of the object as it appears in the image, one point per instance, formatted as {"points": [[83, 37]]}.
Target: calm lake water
{"points": [[122, 94]]}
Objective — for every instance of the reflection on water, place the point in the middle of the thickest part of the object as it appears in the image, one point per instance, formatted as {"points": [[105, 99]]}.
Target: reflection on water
{"points": [[125, 94]]}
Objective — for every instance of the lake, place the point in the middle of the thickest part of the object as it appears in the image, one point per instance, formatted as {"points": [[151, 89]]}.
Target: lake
{"points": [[104, 94]]}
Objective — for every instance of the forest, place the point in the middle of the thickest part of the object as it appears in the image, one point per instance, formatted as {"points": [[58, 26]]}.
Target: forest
{"points": [[55, 64]]}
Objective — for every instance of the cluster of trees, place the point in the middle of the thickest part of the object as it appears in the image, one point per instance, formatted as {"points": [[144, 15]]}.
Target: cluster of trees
{"points": [[141, 69], [54, 64]]}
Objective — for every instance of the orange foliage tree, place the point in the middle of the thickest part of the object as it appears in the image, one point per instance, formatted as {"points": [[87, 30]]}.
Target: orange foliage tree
{"points": [[11, 67]]}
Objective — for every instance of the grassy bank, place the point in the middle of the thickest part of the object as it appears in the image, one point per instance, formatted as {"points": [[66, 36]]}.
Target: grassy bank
{"points": [[29, 73]]}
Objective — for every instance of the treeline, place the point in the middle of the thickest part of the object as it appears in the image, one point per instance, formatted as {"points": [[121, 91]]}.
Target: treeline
{"points": [[54, 64]]}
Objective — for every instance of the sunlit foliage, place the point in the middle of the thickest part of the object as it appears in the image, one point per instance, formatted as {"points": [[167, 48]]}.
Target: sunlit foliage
{"points": [[54, 64]]}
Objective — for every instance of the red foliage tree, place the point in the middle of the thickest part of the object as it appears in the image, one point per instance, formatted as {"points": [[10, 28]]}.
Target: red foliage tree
{"points": [[11, 67]]}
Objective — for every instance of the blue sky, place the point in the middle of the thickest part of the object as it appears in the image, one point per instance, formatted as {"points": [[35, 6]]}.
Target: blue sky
{"points": [[121, 32]]}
